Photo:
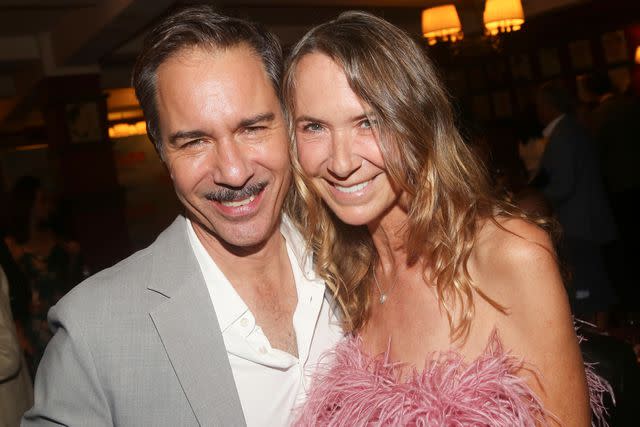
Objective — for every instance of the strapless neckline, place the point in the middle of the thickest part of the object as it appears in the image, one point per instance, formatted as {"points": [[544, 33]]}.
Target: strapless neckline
{"points": [[351, 388]]}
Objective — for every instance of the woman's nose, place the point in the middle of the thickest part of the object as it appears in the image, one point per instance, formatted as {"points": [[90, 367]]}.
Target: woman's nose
{"points": [[344, 161]]}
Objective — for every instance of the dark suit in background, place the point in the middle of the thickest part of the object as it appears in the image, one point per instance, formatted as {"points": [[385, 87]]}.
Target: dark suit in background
{"points": [[616, 126], [574, 187]]}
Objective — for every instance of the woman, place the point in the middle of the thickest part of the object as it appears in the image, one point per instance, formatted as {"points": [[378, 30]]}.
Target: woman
{"points": [[458, 293]]}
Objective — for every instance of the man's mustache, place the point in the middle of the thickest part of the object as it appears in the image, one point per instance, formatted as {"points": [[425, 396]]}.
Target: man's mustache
{"points": [[231, 194]]}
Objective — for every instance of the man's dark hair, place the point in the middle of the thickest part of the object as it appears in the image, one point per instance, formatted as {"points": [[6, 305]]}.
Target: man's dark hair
{"points": [[556, 95], [197, 26], [598, 83]]}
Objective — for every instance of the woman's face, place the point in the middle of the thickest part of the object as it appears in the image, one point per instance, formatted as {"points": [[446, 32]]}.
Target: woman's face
{"points": [[337, 143]]}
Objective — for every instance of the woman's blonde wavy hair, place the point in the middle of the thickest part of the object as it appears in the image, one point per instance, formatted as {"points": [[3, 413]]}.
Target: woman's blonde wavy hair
{"points": [[447, 187]]}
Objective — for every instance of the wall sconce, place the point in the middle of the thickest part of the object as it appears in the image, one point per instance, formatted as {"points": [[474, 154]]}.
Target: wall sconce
{"points": [[502, 16], [441, 23], [121, 130]]}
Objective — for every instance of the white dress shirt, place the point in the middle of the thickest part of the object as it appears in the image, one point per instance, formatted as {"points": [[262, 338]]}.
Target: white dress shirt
{"points": [[271, 383], [548, 130]]}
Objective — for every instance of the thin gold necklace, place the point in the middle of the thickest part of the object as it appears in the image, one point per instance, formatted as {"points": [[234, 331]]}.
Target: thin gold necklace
{"points": [[383, 295]]}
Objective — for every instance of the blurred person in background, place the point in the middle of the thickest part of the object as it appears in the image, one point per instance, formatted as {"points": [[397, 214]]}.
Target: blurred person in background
{"points": [[613, 357], [615, 125], [531, 146], [19, 290], [16, 393], [51, 263], [571, 181]]}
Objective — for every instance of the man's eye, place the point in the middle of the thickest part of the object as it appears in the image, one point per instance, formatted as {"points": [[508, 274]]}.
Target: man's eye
{"points": [[193, 143], [254, 129]]}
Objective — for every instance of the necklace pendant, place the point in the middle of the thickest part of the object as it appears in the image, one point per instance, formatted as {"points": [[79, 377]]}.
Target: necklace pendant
{"points": [[383, 298]]}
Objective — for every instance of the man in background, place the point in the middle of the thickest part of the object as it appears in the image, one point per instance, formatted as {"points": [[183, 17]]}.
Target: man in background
{"points": [[615, 125], [573, 185]]}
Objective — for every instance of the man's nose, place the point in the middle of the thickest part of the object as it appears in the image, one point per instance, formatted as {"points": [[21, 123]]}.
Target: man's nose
{"points": [[232, 166]]}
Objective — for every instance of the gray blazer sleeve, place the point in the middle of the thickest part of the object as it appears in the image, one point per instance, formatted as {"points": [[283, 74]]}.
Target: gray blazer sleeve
{"points": [[67, 387]]}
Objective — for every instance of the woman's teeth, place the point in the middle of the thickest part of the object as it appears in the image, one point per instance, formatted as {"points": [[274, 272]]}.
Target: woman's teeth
{"points": [[238, 203], [353, 188]]}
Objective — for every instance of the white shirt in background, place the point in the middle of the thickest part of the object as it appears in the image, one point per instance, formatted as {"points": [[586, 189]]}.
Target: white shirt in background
{"points": [[548, 130]]}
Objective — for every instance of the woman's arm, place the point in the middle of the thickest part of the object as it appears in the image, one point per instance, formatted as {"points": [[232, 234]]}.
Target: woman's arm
{"points": [[539, 326]]}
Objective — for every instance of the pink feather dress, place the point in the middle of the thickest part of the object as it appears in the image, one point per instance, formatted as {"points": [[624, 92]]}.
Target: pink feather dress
{"points": [[351, 388]]}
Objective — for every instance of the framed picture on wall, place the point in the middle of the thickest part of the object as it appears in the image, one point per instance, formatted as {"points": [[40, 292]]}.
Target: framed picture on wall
{"points": [[83, 122], [502, 104], [614, 46], [496, 72], [580, 54], [549, 62], [521, 68], [477, 78], [620, 78]]}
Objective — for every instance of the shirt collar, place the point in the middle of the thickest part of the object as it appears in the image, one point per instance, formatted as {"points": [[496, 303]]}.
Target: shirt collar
{"points": [[548, 130], [228, 305]]}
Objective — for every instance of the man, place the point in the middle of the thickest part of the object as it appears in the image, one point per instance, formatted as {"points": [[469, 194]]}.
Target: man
{"points": [[219, 320], [572, 184], [615, 126]]}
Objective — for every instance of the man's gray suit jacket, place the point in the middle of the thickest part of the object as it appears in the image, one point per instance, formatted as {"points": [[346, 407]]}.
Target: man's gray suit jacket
{"points": [[138, 344]]}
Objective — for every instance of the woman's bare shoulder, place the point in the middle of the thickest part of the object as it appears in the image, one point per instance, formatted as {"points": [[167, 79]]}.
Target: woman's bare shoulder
{"points": [[519, 236], [514, 258], [516, 265]]}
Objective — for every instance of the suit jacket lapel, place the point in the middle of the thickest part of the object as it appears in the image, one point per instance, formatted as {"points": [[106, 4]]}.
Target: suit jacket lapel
{"points": [[189, 330]]}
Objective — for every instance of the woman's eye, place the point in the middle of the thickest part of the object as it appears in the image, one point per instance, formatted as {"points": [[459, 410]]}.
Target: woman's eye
{"points": [[313, 127], [367, 123]]}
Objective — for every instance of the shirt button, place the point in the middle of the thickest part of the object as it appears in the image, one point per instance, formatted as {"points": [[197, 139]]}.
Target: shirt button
{"points": [[262, 350], [244, 322]]}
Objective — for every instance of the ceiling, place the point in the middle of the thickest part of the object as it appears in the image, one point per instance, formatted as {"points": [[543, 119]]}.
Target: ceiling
{"points": [[40, 38]]}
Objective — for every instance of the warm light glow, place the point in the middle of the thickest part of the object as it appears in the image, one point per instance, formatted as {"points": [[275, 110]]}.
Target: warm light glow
{"points": [[503, 16], [441, 23], [638, 55], [122, 130], [124, 115], [30, 147]]}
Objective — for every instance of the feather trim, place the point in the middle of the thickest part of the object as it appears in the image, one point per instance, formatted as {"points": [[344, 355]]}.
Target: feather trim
{"points": [[351, 388]]}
